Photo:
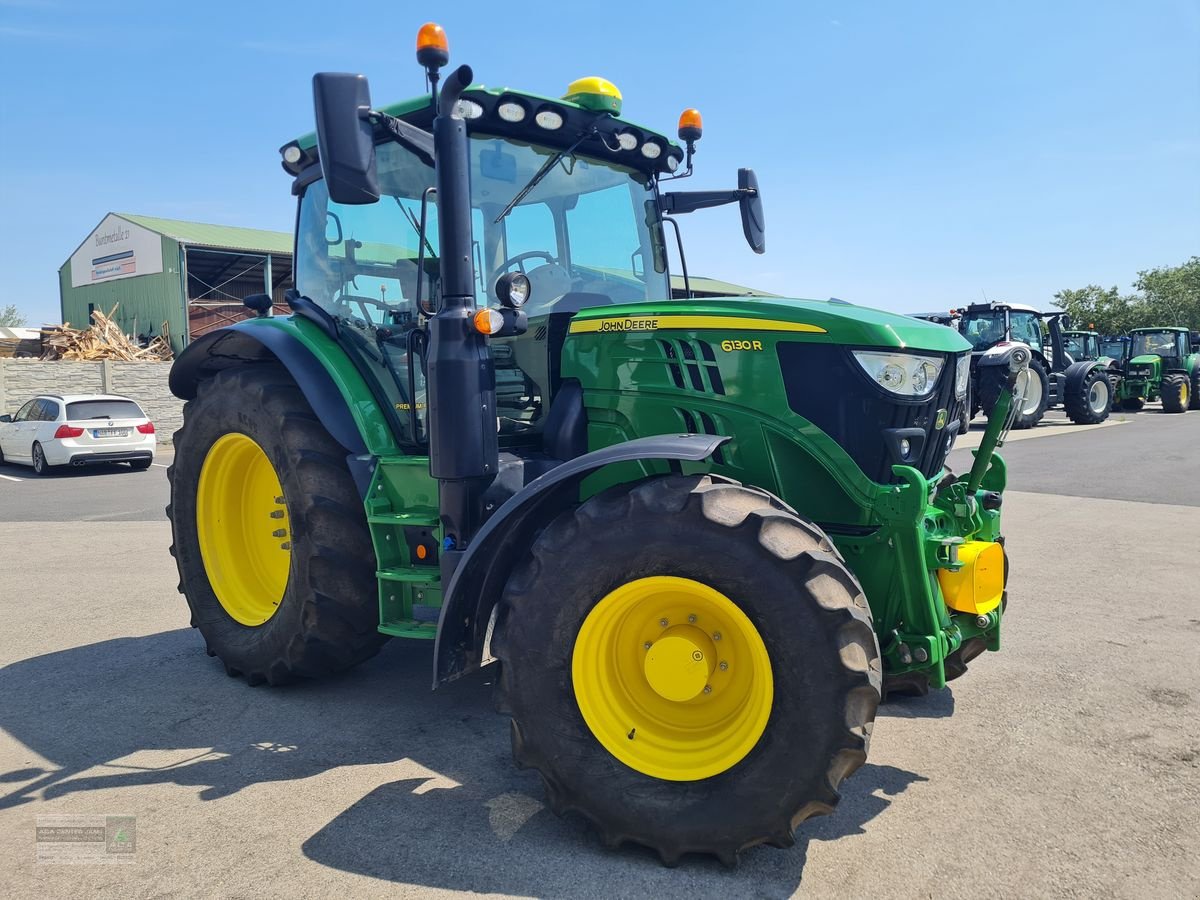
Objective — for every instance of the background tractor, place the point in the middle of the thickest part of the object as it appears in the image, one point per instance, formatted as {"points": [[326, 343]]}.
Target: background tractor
{"points": [[994, 329], [1088, 346], [1161, 366], [700, 537]]}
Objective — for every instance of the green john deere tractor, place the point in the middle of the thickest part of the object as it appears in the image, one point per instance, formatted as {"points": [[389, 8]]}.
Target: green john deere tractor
{"points": [[1161, 366], [701, 538]]}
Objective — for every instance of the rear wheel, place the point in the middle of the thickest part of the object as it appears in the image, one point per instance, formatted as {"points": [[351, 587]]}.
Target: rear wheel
{"points": [[40, 466], [1195, 384], [1090, 402], [1176, 393], [699, 678], [270, 536]]}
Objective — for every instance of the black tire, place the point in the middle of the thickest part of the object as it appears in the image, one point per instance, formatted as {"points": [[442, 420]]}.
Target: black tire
{"points": [[1132, 404], [785, 576], [1089, 403], [38, 458], [140, 465], [991, 382], [327, 620], [1114, 386], [1195, 404], [1175, 393]]}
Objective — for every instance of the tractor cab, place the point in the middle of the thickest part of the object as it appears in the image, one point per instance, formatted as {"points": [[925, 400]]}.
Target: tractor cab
{"points": [[1115, 348], [1082, 344]]}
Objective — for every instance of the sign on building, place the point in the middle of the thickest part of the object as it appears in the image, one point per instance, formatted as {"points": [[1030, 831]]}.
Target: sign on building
{"points": [[116, 249]]}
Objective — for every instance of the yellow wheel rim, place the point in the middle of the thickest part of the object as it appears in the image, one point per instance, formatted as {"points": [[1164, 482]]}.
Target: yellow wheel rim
{"points": [[672, 678], [242, 526]]}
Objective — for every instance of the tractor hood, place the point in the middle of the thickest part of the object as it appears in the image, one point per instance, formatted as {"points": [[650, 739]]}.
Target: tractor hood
{"points": [[1146, 359], [833, 322]]}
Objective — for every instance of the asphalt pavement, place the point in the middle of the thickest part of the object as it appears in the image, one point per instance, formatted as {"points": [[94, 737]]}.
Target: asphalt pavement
{"points": [[1068, 764]]}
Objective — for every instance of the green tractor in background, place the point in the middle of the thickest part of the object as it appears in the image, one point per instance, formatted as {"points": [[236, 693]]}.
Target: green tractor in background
{"points": [[1162, 366], [701, 537]]}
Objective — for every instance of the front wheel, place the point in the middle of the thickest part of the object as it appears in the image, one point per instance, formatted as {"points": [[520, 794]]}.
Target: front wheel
{"points": [[270, 536], [1176, 391], [699, 678], [992, 380]]}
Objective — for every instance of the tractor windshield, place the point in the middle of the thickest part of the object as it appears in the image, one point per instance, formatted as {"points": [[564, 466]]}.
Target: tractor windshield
{"points": [[984, 329], [586, 235], [1114, 349], [1080, 345], [1153, 343]]}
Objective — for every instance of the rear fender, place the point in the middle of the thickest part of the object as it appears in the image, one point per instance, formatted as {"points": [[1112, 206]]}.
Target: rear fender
{"points": [[320, 368], [501, 544], [1077, 372]]}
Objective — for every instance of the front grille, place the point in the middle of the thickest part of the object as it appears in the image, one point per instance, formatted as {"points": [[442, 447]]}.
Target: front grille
{"points": [[825, 385]]}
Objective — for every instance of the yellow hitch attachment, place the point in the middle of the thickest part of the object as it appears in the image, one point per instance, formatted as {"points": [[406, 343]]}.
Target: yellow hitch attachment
{"points": [[978, 586]]}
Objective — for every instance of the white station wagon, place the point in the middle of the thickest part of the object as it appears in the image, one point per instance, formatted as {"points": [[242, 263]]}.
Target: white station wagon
{"points": [[76, 430]]}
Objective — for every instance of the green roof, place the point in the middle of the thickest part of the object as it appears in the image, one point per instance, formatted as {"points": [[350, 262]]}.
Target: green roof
{"points": [[713, 286], [227, 237]]}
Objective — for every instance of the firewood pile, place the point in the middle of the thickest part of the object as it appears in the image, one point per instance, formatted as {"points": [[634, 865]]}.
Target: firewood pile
{"points": [[104, 340]]}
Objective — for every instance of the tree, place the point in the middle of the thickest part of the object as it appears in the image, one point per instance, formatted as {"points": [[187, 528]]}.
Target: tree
{"points": [[1167, 295], [11, 317], [1105, 310], [1174, 292]]}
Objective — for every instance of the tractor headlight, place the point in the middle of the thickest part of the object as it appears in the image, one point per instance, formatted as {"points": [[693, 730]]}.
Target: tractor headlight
{"points": [[903, 374], [962, 376]]}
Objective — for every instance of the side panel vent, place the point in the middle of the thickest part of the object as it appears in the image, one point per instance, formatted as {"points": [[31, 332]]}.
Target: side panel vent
{"points": [[693, 365]]}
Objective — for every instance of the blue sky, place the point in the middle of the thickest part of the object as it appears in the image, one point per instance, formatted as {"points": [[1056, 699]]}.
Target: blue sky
{"points": [[912, 155]]}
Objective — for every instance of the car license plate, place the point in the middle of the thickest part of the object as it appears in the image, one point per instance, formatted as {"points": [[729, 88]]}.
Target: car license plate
{"points": [[110, 432]]}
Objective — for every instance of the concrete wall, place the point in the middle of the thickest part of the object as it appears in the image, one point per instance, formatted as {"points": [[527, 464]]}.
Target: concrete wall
{"points": [[145, 382]]}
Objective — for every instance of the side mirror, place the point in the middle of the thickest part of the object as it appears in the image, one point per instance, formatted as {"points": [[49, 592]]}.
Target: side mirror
{"points": [[5, 418], [345, 138], [754, 225]]}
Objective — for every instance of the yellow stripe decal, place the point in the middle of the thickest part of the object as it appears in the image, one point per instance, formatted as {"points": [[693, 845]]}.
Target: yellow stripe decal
{"points": [[692, 323]]}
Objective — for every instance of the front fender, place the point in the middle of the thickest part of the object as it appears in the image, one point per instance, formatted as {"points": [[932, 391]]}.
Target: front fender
{"points": [[999, 356], [479, 579]]}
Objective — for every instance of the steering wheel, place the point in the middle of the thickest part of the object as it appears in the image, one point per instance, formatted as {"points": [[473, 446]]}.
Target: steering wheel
{"points": [[519, 259]]}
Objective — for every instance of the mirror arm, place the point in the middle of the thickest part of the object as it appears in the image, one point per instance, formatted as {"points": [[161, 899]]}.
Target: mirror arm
{"points": [[419, 141], [679, 202]]}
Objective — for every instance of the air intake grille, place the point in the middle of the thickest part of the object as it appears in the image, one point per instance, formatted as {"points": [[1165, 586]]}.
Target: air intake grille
{"points": [[693, 366]]}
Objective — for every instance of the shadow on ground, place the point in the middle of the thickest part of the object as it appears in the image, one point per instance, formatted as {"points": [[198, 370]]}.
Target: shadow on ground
{"points": [[155, 710]]}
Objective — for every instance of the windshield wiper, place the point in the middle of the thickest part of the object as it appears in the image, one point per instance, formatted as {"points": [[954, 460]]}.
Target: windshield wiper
{"points": [[544, 171], [412, 220]]}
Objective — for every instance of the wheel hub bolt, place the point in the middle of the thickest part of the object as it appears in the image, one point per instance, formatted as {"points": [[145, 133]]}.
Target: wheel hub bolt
{"points": [[716, 635], [662, 622], [277, 514], [708, 689], [692, 619], [724, 665], [279, 532], [647, 645], [279, 500], [983, 621]]}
